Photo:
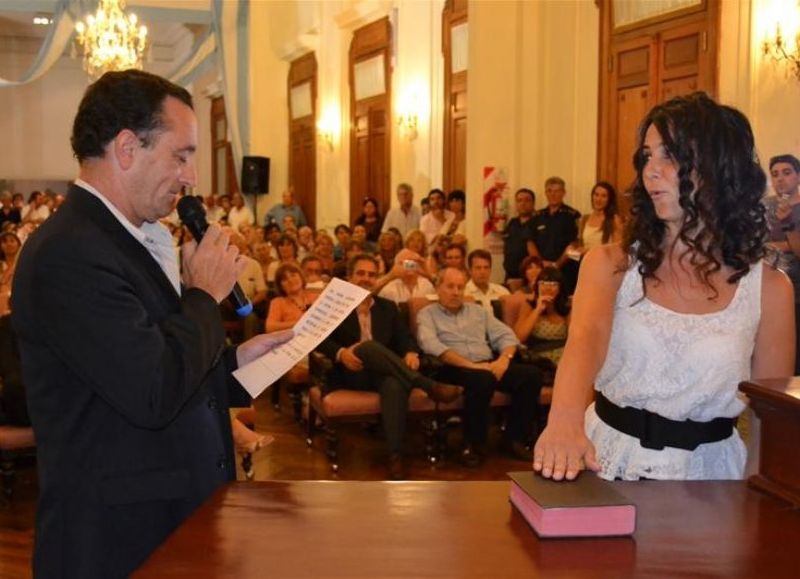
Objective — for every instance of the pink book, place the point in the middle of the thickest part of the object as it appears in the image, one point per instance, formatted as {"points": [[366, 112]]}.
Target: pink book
{"points": [[585, 507]]}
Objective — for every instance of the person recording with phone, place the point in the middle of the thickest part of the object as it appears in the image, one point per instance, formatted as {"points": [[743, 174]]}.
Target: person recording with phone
{"points": [[405, 281], [124, 357]]}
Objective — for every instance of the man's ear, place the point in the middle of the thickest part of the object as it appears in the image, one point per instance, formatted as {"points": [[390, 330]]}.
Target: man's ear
{"points": [[125, 147]]}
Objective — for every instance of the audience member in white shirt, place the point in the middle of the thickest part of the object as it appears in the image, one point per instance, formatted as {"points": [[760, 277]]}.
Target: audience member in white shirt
{"points": [[405, 217], [438, 219], [406, 281], [479, 287], [239, 213]]}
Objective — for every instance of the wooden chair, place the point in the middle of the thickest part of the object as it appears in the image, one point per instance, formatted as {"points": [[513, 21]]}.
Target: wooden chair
{"points": [[15, 441]]}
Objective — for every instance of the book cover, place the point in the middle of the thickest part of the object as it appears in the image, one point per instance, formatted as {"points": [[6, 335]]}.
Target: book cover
{"points": [[585, 507]]}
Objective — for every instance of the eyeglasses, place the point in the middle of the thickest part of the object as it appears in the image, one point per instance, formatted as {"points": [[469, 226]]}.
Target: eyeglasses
{"points": [[545, 284]]}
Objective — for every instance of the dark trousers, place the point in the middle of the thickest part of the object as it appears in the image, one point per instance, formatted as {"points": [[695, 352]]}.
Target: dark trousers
{"points": [[386, 373], [522, 381]]}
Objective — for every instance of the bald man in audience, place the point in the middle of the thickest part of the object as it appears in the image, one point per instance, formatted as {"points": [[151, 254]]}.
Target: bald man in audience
{"points": [[478, 352]]}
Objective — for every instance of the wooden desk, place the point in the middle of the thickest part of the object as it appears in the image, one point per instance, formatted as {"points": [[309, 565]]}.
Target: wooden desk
{"points": [[777, 404], [468, 529]]}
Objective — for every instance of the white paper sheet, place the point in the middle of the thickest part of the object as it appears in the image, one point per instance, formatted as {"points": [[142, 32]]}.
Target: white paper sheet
{"points": [[334, 304]]}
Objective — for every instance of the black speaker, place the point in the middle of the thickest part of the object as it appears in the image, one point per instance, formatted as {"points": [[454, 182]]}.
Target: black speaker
{"points": [[255, 175]]}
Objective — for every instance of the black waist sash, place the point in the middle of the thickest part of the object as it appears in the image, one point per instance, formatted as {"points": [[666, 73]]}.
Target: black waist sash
{"points": [[655, 432]]}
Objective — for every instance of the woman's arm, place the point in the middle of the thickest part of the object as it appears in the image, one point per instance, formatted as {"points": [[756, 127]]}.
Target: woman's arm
{"points": [[774, 351], [527, 319], [563, 449]]}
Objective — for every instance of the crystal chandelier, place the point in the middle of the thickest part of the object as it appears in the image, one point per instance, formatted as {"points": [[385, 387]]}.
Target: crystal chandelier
{"points": [[111, 39]]}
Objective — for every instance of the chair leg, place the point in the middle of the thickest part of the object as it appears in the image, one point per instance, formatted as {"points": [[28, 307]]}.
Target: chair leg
{"points": [[311, 427], [431, 446], [296, 396], [275, 395], [332, 448], [7, 475], [247, 466]]}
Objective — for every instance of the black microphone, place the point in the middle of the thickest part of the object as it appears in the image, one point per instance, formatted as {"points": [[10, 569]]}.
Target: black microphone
{"points": [[193, 215]]}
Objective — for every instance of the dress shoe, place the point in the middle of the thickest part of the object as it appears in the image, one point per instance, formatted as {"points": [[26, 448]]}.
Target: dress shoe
{"points": [[397, 467], [444, 393], [517, 450], [471, 457]]}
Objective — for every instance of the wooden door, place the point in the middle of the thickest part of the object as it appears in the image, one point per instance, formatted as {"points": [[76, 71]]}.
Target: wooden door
{"points": [[370, 110], [643, 65], [302, 95], [454, 34], [224, 180]]}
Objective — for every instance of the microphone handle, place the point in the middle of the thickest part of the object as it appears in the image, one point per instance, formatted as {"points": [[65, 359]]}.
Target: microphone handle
{"points": [[241, 304]]}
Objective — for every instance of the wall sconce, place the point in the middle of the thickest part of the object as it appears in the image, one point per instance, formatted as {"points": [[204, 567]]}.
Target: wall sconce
{"points": [[778, 47], [408, 125], [328, 126], [409, 110]]}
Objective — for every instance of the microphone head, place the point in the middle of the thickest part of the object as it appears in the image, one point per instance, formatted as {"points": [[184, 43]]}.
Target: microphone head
{"points": [[191, 209]]}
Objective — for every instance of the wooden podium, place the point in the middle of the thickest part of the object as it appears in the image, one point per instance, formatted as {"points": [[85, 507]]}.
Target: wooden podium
{"points": [[777, 404]]}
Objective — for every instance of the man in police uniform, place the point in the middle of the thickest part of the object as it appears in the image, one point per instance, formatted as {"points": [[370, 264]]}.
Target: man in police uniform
{"points": [[555, 227]]}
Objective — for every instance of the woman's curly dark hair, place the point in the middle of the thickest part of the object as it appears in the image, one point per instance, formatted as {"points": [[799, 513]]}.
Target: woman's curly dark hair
{"points": [[721, 186]]}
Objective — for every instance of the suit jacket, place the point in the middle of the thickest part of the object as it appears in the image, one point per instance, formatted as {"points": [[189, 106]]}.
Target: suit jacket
{"points": [[387, 328], [128, 391]]}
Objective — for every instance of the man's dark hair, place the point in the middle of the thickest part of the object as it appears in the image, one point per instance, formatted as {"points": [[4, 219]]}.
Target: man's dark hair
{"points": [[436, 192], [130, 99], [351, 263], [526, 191], [788, 159], [456, 246], [340, 227], [270, 227], [478, 254], [457, 195]]}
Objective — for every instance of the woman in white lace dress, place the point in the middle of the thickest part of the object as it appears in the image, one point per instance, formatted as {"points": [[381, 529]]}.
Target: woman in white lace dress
{"points": [[668, 323]]}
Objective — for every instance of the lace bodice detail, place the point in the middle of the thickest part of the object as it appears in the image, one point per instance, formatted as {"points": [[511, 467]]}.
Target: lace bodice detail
{"points": [[681, 366]]}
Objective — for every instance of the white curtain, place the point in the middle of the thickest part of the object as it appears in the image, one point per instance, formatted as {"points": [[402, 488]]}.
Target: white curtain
{"points": [[53, 47], [231, 27]]}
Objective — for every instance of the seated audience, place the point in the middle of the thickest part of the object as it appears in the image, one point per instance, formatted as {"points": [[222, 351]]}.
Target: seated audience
{"points": [[10, 246], [313, 272], [324, 248], [477, 351], [371, 219], [8, 213], [455, 255], [214, 212], [239, 213], [543, 321], [374, 351], [305, 241], [479, 286], [387, 249], [404, 280], [360, 235], [437, 221], [287, 253], [293, 299], [342, 233]]}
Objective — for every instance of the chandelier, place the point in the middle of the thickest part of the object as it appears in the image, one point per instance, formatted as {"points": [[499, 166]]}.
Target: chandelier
{"points": [[111, 39]]}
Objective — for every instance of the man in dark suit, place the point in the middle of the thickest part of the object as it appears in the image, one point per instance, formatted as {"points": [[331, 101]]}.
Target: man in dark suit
{"points": [[127, 374], [375, 351]]}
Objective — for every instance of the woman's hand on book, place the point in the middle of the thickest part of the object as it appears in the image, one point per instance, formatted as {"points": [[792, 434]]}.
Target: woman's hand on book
{"points": [[563, 450]]}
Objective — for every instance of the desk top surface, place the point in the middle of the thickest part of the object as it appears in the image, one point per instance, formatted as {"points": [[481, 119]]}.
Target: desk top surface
{"points": [[468, 529]]}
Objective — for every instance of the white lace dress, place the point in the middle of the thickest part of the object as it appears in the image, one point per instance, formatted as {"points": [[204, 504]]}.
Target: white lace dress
{"points": [[681, 366]]}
